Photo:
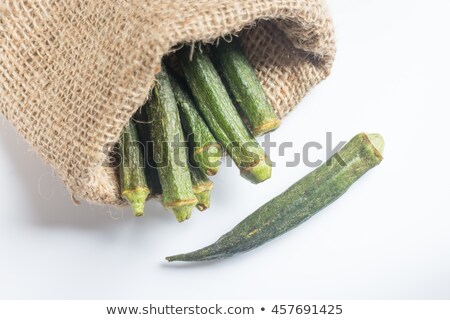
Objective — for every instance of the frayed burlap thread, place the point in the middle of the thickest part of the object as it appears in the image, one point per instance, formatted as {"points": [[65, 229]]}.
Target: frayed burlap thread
{"points": [[72, 72]]}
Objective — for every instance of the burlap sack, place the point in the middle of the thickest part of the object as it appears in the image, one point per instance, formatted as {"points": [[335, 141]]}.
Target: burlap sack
{"points": [[72, 72]]}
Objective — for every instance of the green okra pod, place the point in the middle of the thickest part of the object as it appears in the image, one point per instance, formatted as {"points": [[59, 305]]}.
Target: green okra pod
{"points": [[133, 183], [202, 187], [245, 87], [151, 173], [300, 202], [221, 116], [205, 151], [170, 150]]}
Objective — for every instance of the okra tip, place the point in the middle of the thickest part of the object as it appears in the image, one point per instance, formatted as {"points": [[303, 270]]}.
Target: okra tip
{"points": [[210, 252], [174, 258], [186, 257], [136, 198], [259, 173]]}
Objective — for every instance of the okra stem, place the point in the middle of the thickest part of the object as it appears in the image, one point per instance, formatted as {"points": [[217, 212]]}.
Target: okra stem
{"points": [[202, 186]]}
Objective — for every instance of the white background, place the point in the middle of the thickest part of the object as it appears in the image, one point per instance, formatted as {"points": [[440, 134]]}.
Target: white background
{"points": [[388, 237]]}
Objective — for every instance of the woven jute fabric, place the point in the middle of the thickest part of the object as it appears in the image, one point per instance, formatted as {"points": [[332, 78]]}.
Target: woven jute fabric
{"points": [[73, 72]]}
